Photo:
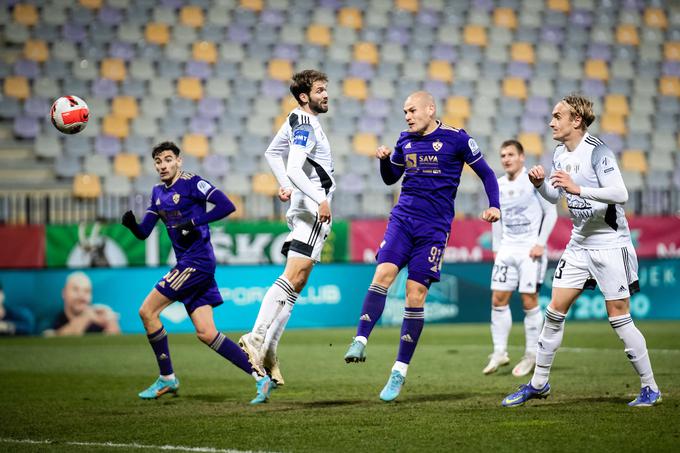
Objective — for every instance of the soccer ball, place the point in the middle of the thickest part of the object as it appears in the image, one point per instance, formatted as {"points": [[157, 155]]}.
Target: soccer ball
{"points": [[69, 114]]}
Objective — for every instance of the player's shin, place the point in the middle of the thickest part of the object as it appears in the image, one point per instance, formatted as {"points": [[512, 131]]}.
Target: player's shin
{"points": [[273, 302], [275, 331], [533, 322], [411, 328], [501, 323], [635, 348], [159, 343], [232, 352], [549, 341], [374, 304]]}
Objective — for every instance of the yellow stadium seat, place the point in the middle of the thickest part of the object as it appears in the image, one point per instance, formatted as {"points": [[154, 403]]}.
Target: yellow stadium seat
{"points": [[195, 145], [559, 5], [597, 69], [253, 5], [25, 14], [523, 52], [278, 121], [514, 87], [505, 18], [125, 106], [127, 164], [669, 86], [36, 50], [191, 16], [91, 4], [454, 120], [671, 50], [319, 35], [205, 51], [366, 51], [613, 123], [355, 88], [240, 212], [190, 88], [280, 70], [627, 35], [655, 18], [157, 33], [288, 103], [113, 69], [350, 18], [634, 160], [116, 126], [365, 143], [458, 106], [87, 186], [440, 70], [616, 104], [475, 35], [16, 87], [531, 142], [407, 5], [265, 184]]}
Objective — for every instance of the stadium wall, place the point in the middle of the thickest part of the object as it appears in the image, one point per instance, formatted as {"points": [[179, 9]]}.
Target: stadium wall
{"points": [[332, 298]]}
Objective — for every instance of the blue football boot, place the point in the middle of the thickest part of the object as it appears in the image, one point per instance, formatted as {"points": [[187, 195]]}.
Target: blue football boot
{"points": [[393, 386], [356, 352], [525, 393], [160, 387], [646, 398], [264, 388]]}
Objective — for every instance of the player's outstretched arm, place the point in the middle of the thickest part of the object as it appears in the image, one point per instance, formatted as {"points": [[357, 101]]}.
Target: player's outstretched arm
{"points": [[488, 177], [389, 171], [141, 230], [223, 207]]}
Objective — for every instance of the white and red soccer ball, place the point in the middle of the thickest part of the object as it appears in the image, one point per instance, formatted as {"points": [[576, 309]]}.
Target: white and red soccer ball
{"points": [[69, 114]]}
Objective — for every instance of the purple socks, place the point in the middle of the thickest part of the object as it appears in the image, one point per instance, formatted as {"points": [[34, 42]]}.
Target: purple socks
{"points": [[159, 344], [414, 319], [374, 304]]}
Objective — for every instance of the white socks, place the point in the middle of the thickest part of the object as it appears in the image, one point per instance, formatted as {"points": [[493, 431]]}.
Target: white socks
{"points": [[501, 323], [271, 339], [272, 304], [533, 322], [635, 348], [400, 367], [548, 343]]}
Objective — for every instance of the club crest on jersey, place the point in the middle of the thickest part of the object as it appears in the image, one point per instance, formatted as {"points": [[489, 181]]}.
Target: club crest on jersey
{"points": [[437, 145], [175, 198], [474, 147], [568, 168]]}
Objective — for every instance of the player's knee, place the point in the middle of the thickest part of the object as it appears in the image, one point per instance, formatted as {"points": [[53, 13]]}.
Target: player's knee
{"points": [[529, 301], [499, 300], [299, 280], [385, 275], [206, 336], [146, 314]]}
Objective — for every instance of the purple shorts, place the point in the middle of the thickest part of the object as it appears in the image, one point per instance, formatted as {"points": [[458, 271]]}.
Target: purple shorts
{"points": [[192, 287], [417, 244]]}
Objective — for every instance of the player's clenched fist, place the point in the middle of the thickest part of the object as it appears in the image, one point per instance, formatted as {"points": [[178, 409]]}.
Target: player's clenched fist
{"points": [[536, 175], [491, 215], [284, 193], [383, 152]]}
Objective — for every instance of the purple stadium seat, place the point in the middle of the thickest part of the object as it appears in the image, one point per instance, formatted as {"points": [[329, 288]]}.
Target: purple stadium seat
{"points": [[109, 15], [286, 51], [671, 68], [274, 88], [74, 32], [593, 88], [552, 35], [428, 18], [273, 17], [399, 35], [199, 69], [376, 107], [202, 125], [352, 183], [371, 124], [331, 4], [27, 68], [438, 88], [599, 51], [519, 69], [444, 52], [122, 50], [37, 107], [486, 5], [637, 5], [361, 70], [215, 166], [581, 18], [613, 141], [239, 33], [105, 88], [209, 107], [107, 145], [176, 4], [534, 123], [25, 127]]}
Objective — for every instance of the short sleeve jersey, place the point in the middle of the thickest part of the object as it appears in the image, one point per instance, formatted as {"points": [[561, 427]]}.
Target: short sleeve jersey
{"points": [[433, 167], [186, 199]]}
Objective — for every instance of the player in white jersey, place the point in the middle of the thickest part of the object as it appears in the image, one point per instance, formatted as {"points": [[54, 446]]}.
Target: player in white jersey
{"points": [[600, 251], [519, 239], [306, 179]]}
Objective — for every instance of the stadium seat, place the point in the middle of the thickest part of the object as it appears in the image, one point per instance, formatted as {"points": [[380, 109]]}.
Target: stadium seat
{"points": [[559, 5], [627, 35], [125, 106], [440, 70], [458, 106], [366, 52], [16, 87], [265, 184], [475, 35], [504, 18], [91, 4], [407, 5], [116, 126], [454, 120], [280, 69], [523, 52], [113, 69], [616, 104], [195, 145], [204, 51], [319, 35], [612, 123], [25, 14], [671, 51], [251, 5], [655, 18], [669, 86], [515, 88], [157, 33], [237, 200], [190, 88], [634, 160], [191, 16], [355, 88], [365, 144], [597, 69], [127, 164], [97, 164], [36, 50], [350, 18], [86, 186]]}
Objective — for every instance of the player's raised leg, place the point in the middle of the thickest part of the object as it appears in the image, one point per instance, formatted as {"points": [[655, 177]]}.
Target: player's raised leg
{"points": [[371, 311], [150, 311], [501, 323]]}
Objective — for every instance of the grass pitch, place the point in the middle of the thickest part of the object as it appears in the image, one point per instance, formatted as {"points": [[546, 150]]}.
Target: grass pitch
{"points": [[83, 390]]}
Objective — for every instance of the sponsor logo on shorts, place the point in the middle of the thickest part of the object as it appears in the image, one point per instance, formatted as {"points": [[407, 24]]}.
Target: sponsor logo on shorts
{"points": [[622, 288]]}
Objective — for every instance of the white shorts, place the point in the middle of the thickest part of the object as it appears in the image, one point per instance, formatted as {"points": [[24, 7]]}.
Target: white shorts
{"points": [[613, 270], [514, 269], [307, 236]]}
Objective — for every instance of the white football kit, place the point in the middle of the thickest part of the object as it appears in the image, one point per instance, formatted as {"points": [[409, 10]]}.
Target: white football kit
{"points": [[600, 249], [309, 172], [527, 219]]}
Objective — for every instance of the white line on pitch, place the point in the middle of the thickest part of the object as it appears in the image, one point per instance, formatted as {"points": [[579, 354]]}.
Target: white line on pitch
{"points": [[120, 445]]}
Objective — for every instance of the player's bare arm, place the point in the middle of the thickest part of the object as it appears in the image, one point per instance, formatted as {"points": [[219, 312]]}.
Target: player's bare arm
{"points": [[537, 175], [563, 180]]}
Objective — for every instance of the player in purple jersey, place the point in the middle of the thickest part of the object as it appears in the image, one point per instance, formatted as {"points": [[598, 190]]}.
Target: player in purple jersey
{"points": [[431, 157], [180, 202]]}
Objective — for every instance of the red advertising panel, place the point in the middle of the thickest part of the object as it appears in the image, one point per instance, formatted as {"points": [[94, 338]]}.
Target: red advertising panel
{"points": [[22, 246]]}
